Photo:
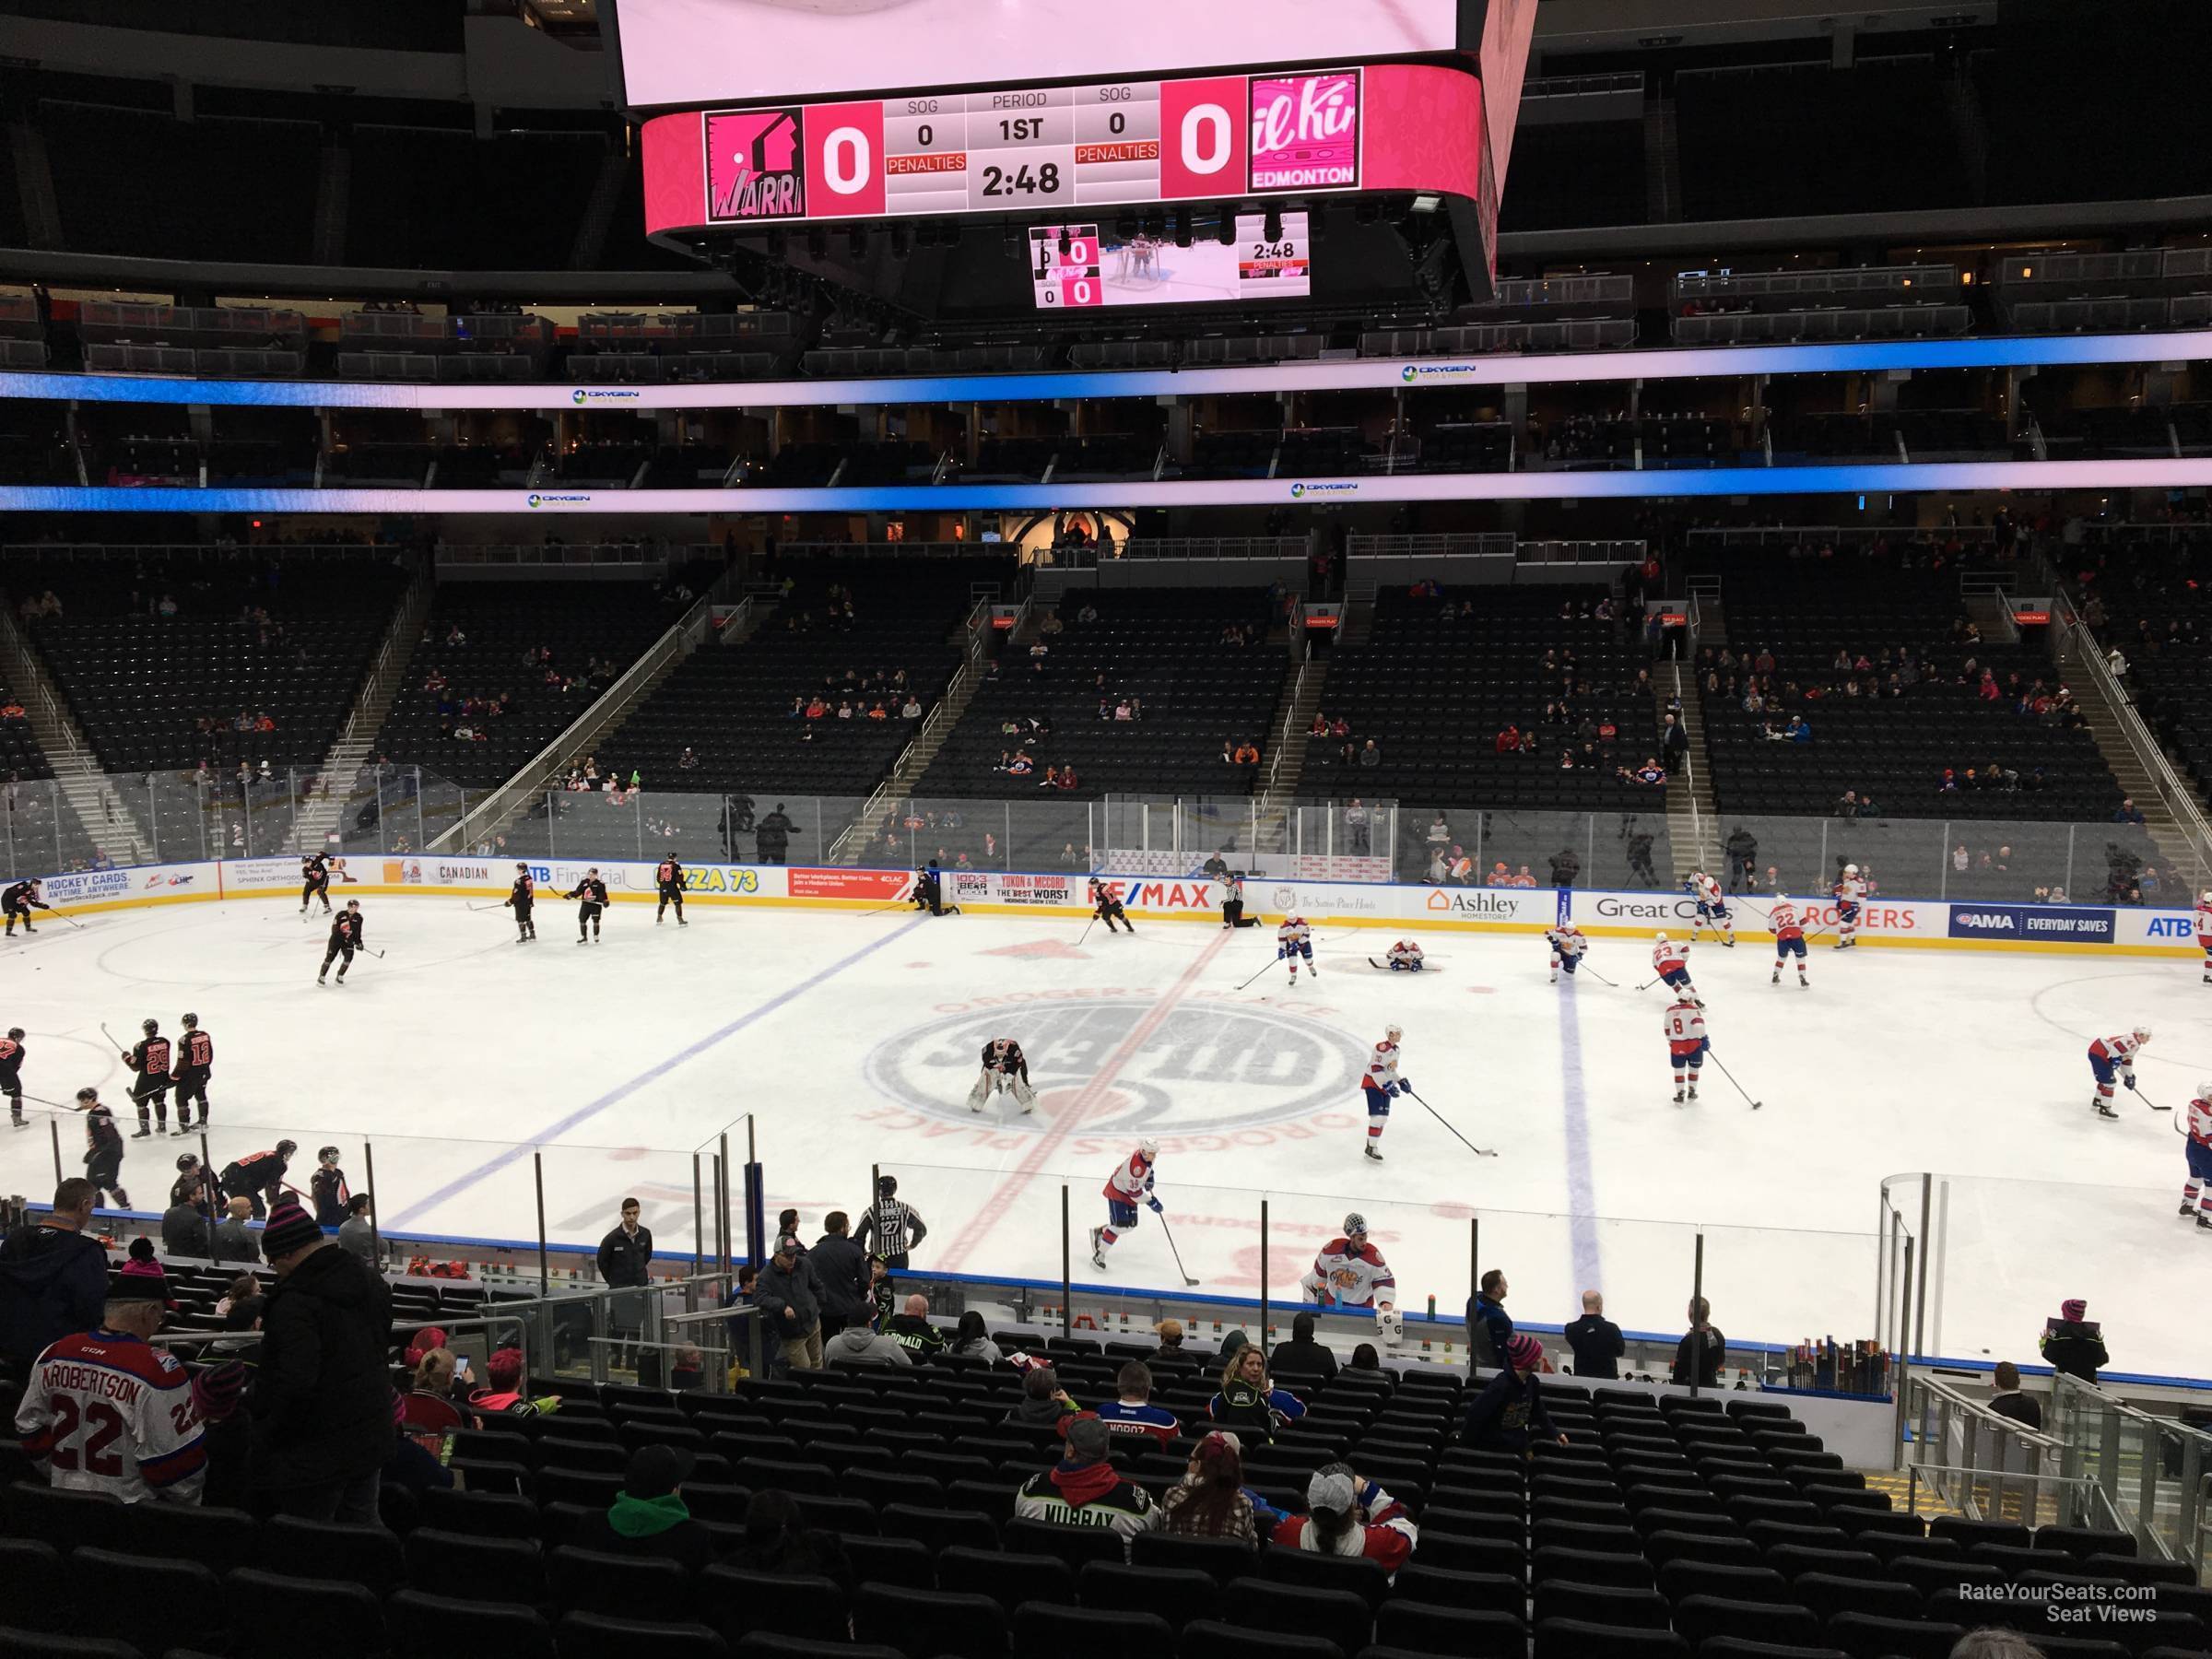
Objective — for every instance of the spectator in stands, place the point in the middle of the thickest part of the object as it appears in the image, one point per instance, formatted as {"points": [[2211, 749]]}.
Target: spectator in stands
{"points": [[2073, 1343], [1369, 754], [1499, 876], [1210, 1501], [234, 1241], [778, 1542], [1489, 1327], [1440, 867], [910, 709], [1596, 1340], [1507, 740], [2129, 813], [970, 1341], [2009, 1402], [688, 760], [1248, 753], [791, 1309], [1348, 1515], [625, 1254], [1508, 1414], [649, 1517], [841, 1273], [320, 1402], [1522, 879], [184, 1230], [357, 1233], [1045, 1404], [1082, 1489], [1302, 1355], [1566, 864], [1131, 1417], [859, 1344], [1247, 1401], [1996, 1642], [1702, 1350], [53, 1277], [2148, 885], [910, 1328], [1169, 1331], [1068, 780]]}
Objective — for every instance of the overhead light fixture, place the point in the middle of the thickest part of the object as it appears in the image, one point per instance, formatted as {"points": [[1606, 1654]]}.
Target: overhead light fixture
{"points": [[818, 243], [1271, 226], [1067, 242], [856, 241], [1427, 204], [1228, 231], [901, 243], [1182, 227]]}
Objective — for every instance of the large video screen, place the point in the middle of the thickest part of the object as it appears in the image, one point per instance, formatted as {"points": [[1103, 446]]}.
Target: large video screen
{"points": [[698, 52], [1077, 267]]}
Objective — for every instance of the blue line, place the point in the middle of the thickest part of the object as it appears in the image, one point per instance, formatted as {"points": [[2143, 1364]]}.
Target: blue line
{"points": [[583, 1114], [1581, 1191]]}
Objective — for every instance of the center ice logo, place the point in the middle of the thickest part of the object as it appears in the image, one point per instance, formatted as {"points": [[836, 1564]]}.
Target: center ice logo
{"points": [[1208, 1068]]}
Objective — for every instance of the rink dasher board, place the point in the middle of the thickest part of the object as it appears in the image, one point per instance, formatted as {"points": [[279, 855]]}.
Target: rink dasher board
{"points": [[1900, 924]]}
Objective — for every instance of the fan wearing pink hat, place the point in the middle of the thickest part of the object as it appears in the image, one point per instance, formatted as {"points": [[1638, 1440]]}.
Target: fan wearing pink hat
{"points": [[2073, 1342], [1509, 1414]]}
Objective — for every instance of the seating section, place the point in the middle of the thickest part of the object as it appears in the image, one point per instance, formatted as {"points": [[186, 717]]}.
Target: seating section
{"points": [[1440, 676], [1662, 1526], [2145, 594], [1164, 655], [292, 639], [482, 645], [1952, 709]]}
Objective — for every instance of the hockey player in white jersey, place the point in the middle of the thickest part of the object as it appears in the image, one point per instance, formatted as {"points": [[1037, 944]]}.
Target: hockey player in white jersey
{"points": [[1128, 1186], [1713, 909], [1670, 961], [1684, 1024], [1294, 940], [1789, 938], [1849, 890], [2204, 931], [2112, 1057], [1006, 1071], [1382, 1085], [1350, 1272], [1405, 957], [1568, 942], [2196, 1192]]}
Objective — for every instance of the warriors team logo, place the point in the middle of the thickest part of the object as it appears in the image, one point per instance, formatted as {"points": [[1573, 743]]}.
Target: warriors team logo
{"points": [[1207, 1068]]}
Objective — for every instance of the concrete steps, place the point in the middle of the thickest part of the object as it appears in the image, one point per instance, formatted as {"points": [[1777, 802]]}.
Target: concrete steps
{"points": [[1692, 816], [1294, 714]]}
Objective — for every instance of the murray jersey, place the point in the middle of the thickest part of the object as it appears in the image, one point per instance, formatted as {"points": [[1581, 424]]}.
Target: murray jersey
{"points": [[1350, 1275], [1783, 920], [1130, 1182], [524, 891], [150, 1058], [1849, 891], [1684, 1024], [669, 873], [1381, 1066], [591, 890], [108, 1413]]}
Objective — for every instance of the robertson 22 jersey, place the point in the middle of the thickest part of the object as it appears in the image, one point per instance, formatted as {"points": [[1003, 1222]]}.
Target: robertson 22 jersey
{"points": [[108, 1413]]}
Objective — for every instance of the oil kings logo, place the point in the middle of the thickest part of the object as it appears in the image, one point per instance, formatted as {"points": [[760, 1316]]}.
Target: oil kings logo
{"points": [[1209, 1068]]}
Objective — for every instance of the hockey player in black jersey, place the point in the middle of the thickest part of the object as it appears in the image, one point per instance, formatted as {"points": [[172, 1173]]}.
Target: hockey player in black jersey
{"points": [[103, 1149], [149, 1057], [196, 1065], [11, 1075], [521, 898], [669, 878], [18, 901], [314, 880], [327, 1187], [1106, 908], [929, 891], [592, 894], [345, 939], [195, 1184], [258, 1176]]}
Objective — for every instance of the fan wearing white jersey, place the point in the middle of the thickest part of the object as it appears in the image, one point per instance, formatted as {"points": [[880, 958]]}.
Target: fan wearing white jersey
{"points": [[1350, 1272], [1684, 1024], [1294, 940], [2196, 1192], [1671, 962], [1382, 1085], [1568, 942], [1005, 1070], [1849, 890], [1128, 1186], [1713, 908], [2114, 1057], [2204, 930]]}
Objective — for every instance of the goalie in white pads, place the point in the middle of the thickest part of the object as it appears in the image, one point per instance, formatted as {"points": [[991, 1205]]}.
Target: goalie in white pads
{"points": [[1006, 1071], [1568, 942], [1294, 940], [1128, 1186], [1350, 1272]]}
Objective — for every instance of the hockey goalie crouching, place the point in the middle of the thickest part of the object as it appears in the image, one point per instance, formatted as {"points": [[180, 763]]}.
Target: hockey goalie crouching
{"points": [[1005, 1070], [1350, 1272]]}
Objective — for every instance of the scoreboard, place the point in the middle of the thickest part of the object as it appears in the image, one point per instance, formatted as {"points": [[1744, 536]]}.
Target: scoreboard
{"points": [[1075, 267], [1054, 148]]}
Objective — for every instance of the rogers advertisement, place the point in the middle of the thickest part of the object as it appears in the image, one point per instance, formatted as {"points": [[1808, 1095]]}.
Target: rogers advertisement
{"points": [[677, 51]]}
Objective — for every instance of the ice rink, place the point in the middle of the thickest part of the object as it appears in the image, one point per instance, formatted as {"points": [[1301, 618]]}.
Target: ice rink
{"points": [[467, 1061]]}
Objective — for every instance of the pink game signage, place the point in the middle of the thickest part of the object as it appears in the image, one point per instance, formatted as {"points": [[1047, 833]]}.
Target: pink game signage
{"points": [[1305, 132]]}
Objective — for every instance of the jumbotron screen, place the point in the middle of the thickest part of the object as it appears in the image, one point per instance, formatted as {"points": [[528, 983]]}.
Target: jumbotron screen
{"points": [[1075, 267], [698, 52]]}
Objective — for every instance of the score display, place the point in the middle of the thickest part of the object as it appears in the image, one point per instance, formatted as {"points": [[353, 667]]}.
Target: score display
{"points": [[1013, 149], [1074, 267]]}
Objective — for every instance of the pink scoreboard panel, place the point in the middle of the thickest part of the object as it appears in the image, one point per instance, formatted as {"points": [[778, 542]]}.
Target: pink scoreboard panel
{"points": [[1012, 149]]}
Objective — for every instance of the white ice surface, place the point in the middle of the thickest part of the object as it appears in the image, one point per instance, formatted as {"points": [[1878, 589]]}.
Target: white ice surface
{"points": [[853, 1040]]}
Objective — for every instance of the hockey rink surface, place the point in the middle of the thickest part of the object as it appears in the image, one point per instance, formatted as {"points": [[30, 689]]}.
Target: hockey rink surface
{"points": [[469, 1062]]}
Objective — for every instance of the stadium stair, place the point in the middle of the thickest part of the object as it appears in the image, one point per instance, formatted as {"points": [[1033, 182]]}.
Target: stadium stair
{"points": [[2109, 723], [1692, 815], [103, 818], [1293, 717], [317, 822]]}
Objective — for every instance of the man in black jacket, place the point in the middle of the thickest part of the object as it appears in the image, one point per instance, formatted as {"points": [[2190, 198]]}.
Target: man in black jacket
{"points": [[840, 1272], [320, 1398], [624, 1256], [184, 1231], [649, 1517], [1301, 1356], [2009, 1402], [791, 1312], [1595, 1340], [1702, 1350], [911, 1329], [54, 1278]]}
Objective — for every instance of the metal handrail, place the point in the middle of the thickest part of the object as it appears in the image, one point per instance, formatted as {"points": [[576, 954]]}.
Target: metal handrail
{"points": [[2092, 1426]]}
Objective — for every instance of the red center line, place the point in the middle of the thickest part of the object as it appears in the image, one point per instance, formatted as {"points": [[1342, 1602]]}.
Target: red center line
{"points": [[995, 1208]]}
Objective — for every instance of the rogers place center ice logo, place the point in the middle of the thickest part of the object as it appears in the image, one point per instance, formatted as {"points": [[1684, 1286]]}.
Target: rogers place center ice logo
{"points": [[1208, 1068]]}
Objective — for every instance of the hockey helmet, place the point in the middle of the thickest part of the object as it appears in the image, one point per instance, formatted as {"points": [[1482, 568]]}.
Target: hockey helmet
{"points": [[188, 1160], [191, 1022], [1394, 1031], [1781, 896], [1658, 939], [2204, 1091], [326, 1155], [2142, 1033], [2207, 897], [521, 866], [1851, 869], [1355, 1225], [592, 871], [149, 1025], [16, 1032], [1150, 1149], [285, 1148]]}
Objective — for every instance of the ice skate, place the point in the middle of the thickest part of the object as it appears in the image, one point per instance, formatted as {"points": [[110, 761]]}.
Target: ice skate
{"points": [[1693, 1091], [2203, 1222], [1678, 1094], [143, 1133], [181, 1130], [1097, 1250], [1372, 1153], [1775, 979], [2105, 1110], [2188, 1205]]}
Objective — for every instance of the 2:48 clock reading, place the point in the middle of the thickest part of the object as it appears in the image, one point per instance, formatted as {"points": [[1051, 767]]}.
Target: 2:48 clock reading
{"points": [[1022, 181]]}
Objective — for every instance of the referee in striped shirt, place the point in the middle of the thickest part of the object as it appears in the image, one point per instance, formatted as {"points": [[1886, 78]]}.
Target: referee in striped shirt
{"points": [[894, 1226]]}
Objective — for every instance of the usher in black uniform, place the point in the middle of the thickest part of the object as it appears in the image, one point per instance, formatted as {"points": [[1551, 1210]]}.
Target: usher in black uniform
{"points": [[19, 900], [669, 878], [196, 1065], [592, 892], [314, 881], [150, 1059], [520, 896], [1106, 908], [345, 939]]}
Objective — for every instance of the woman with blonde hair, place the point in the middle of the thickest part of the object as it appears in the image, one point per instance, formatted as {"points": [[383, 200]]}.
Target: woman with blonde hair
{"points": [[1249, 1402]]}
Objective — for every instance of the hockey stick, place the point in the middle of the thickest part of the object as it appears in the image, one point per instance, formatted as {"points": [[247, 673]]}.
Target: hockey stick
{"points": [[71, 919], [1168, 1233], [1262, 971], [110, 1036], [2148, 1102], [501, 905], [1087, 927], [1440, 1117], [1733, 1083], [1600, 978]]}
